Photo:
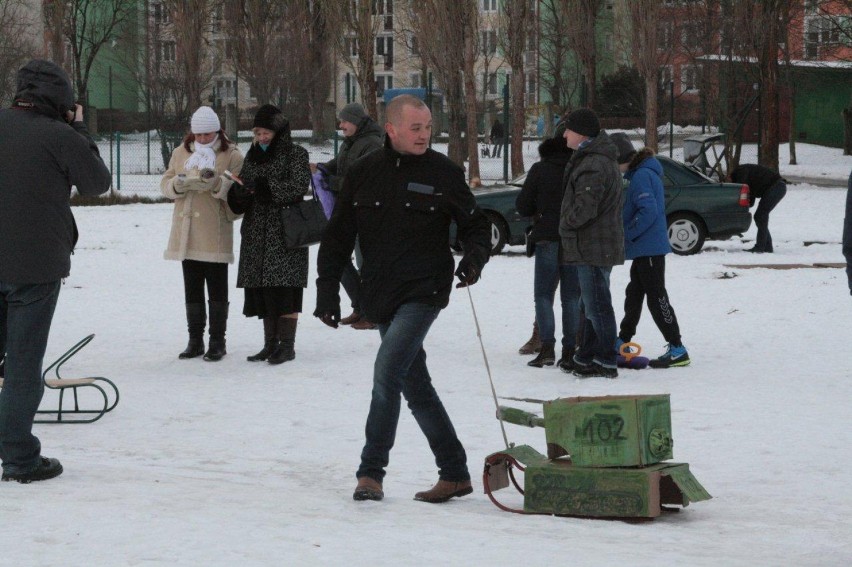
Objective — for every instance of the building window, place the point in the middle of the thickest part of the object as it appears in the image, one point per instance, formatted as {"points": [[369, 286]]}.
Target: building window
{"points": [[488, 42], [415, 80], [161, 14], [489, 5], [226, 90], [384, 9], [489, 80], [384, 51], [820, 32], [166, 51], [383, 82], [532, 89], [665, 33], [352, 46], [414, 45], [665, 77], [690, 76]]}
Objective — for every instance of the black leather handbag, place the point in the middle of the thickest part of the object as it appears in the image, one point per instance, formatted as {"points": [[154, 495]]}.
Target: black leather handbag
{"points": [[304, 222]]}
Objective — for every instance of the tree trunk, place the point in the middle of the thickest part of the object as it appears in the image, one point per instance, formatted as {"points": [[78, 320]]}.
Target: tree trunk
{"points": [[768, 64], [651, 110], [470, 108]]}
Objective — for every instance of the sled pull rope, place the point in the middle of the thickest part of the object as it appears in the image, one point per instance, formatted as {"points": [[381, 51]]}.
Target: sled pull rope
{"points": [[487, 368]]}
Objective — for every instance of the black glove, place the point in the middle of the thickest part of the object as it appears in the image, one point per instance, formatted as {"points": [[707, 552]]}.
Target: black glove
{"points": [[244, 191], [261, 191], [468, 272], [328, 303]]}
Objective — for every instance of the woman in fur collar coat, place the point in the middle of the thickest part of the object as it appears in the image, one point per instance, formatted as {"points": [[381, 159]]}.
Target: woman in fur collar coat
{"points": [[202, 227], [275, 173]]}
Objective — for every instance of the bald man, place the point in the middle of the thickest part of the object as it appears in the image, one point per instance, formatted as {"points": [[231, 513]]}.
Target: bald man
{"points": [[399, 203]]}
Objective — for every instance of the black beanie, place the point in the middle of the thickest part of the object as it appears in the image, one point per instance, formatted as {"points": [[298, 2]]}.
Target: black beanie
{"points": [[270, 117], [626, 151], [583, 121]]}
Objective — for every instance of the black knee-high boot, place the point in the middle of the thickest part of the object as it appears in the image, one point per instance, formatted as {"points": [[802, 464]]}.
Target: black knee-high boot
{"points": [[196, 319], [286, 341], [218, 326], [270, 339]]}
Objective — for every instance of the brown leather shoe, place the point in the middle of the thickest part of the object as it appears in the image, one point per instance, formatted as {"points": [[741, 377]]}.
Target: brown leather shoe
{"points": [[444, 490], [368, 489], [363, 325], [353, 317]]}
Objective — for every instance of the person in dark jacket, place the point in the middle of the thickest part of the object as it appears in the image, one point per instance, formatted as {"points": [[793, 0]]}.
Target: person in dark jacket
{"points": [[592, 236], [847, 233], [362, 136], [541, 199], [275, 173], [498, 137], [399, 203], [646, 243], [768, 186], [45, 149]]}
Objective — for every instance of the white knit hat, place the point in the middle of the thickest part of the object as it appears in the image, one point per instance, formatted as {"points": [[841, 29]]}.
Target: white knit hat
{"points": [[204, 121]]}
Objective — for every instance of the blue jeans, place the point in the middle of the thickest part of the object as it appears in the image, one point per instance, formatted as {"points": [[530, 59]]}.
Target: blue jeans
{"points": [[29, 312], [598, 332], [400, 368], [548, 275]]}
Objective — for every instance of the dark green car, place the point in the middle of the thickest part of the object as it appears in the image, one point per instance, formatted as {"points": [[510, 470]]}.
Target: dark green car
{"points": [[697, 208]]}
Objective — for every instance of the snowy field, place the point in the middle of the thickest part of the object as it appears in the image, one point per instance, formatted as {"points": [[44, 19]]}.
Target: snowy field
{"points": [[237, 463]]}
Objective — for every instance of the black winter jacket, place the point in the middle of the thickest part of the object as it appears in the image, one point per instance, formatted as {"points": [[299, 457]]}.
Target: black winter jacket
{"points": [[367, 139], [41, 158], [541, 195], [758, 178], [400, 208]]}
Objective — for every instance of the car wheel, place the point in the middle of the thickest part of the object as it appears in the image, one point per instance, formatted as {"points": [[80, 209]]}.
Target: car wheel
{"points": [[499, 232], [686, 234]]}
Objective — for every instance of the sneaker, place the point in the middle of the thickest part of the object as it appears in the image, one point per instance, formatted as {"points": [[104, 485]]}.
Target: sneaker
{"points": [[444, 490], [674, 356], [594, 370], [46, 469], [368, 489]]}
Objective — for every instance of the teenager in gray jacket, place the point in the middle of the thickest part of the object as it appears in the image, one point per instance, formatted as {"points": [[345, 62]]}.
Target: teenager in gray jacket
{"points": [[45, 149], [593, 236]]}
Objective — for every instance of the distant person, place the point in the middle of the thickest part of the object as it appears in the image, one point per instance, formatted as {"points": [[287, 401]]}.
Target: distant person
{"points": [[45, 149], [541, 199], [361, 136], [399, 202], [275, 173], [646, 243], [202, 233], [768, 186], [498, 137], [847, 233], [593, 236]]}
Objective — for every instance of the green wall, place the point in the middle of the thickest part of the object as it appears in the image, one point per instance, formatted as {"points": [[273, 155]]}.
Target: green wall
{"points": [[821, 96]]}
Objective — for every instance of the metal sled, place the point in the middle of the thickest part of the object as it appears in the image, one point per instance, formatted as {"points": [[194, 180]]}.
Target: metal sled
{"points": [[104, 387]]}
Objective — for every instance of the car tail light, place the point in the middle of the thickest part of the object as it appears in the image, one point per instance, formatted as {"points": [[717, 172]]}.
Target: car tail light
{"points": [[743, 202]]}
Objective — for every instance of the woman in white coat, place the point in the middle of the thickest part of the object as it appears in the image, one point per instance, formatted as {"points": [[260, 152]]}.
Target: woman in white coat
{"points": [[202, 227]]}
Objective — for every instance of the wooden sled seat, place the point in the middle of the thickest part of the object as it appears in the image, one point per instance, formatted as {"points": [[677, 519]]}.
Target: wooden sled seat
{"points": [[99, 394]]}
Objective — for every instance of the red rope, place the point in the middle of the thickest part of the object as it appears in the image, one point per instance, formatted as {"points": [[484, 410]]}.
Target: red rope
{"points": [[510, 462]]}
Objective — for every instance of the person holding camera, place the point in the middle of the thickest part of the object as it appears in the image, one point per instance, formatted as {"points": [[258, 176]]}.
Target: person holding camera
{"points": [[275, 173], [45, 149], [202, 233]]}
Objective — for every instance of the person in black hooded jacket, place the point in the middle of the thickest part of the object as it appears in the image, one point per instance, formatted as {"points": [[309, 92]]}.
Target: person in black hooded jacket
{"points": [[541, 199], [45, 149]]}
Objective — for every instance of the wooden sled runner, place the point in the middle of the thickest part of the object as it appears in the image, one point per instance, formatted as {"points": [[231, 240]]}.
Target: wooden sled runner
{"points": [[105, 388]]}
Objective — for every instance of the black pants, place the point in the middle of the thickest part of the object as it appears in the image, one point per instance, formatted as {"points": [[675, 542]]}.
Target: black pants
{"points": [[196, 273], [768, 202], [648, 279]]}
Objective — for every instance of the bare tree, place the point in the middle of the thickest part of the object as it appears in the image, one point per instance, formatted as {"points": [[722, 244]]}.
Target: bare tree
{"points": [[259, 36], [644, 15], [191, 32], [518, 18], [15, 46], [354, 28], [88, 25], [319, 66], [580, 30], [470, 26], [441, 29], [554, 58]]}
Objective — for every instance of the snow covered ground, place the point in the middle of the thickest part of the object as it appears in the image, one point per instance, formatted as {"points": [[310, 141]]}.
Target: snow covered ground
{"points": [[237, 463]]}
